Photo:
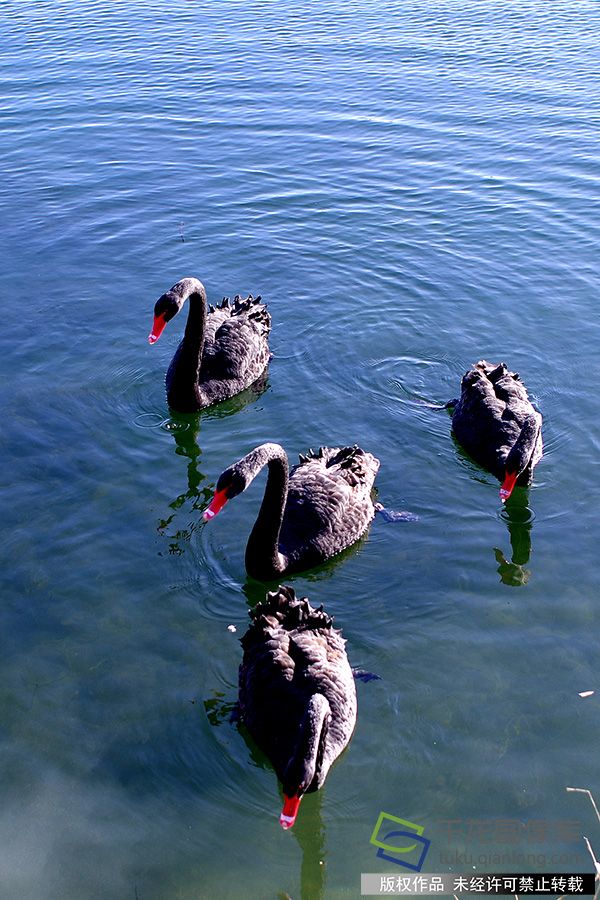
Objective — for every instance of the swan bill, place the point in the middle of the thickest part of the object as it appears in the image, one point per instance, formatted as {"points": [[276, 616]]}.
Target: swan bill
{"points": [[157, 329], [216, 505], [289, 811], [508, 484]]}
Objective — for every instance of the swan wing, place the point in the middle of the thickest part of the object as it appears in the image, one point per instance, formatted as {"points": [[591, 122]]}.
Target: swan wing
{"points": [[329, 503], [236, 341], [490, 414], [291, 651]]}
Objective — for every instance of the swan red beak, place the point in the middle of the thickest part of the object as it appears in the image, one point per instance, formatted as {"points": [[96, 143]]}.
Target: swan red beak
{"points": [[216, 505], [510, 479], [289, 811], [157, 329]]}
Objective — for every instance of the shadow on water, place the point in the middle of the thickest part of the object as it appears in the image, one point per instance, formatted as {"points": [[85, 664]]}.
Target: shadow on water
{"points": [[519, 520], [309, 830], [256, 590], [219, 709], [185, 428]]}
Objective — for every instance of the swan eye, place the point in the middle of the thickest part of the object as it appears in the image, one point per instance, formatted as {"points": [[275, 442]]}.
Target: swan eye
{"points": [[166, 307], [231, 483]]}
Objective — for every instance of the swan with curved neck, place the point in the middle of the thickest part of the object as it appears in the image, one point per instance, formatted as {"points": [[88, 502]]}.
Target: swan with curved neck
{"points": [[297, 693], [497, 424], [223, 350], [308, 514]]}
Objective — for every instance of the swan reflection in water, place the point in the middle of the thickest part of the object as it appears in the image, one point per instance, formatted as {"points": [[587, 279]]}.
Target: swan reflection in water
{"points": [[185, 428], [519, 519], [309, 830], [185, 431]]}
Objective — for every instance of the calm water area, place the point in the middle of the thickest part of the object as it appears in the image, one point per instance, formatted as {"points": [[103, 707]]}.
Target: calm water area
{"points": [[411, 186]]}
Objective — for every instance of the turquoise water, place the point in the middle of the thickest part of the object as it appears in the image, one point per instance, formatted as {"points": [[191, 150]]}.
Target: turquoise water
{"points": [[411, 187]]}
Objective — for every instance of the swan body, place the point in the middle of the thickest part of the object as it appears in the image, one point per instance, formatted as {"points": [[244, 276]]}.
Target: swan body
{"points": [[308, 514], [496, 423], [223, 350], [296, 692]]}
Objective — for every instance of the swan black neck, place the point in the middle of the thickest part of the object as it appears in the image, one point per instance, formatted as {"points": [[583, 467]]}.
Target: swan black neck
{"points": [[263, 559], [183, 391], [520, 455], [308, 767]]}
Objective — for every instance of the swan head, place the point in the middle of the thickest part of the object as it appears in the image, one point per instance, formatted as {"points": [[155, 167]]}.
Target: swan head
{"points": [[238, 476], [165, 309], [231, 483], [167, 306]]}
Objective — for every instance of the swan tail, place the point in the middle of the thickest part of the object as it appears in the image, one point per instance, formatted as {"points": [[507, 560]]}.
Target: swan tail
{"points": [[283, 607], [355, 464], [251, 307]]}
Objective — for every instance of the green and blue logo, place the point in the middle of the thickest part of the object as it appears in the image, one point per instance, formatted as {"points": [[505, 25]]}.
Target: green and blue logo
{"points": [[405, 846]]}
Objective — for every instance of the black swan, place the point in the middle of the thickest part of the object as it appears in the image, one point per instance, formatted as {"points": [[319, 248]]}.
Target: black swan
{"points": [[497, 425], [223, 351], [297, 694], [308, 514]]}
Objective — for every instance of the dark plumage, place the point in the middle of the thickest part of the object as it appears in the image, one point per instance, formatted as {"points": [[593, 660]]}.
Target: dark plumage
{"points": [[308, 514], [497, 425], [223, 351], [297, 694]]}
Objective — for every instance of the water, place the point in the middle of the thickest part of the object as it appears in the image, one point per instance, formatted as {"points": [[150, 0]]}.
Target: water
{"points": [[411, 187]]}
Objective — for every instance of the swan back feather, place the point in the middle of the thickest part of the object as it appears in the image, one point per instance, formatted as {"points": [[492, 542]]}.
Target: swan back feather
{"points": [[493, 416], [292, 653], [329, 505]]}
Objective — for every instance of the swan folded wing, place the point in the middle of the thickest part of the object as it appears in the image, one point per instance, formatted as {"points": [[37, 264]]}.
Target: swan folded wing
{"points": [[317, 505], [250, 311], [282, 607], [328, 508], [235, 351], [511, 391], [266, 674], [236, 339], [477, 420], [495, 383], [478, 397]]}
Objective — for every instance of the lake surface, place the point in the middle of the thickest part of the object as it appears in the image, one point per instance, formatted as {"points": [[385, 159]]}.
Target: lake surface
{"points": [[411, 187]]}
